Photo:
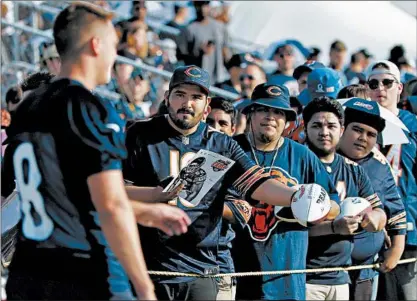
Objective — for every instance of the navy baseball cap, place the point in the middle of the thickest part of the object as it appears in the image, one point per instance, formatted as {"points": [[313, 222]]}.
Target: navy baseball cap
{"points": [[272, 96], [308, 66], [321, 82], [191, 75]]}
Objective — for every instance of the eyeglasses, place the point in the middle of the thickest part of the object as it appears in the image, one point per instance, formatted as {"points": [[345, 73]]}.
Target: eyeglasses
{"points": [[244, 76], [387, 83]]}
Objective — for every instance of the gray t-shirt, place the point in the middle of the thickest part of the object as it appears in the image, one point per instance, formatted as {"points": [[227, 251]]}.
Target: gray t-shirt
{"points": [[195, 36]]}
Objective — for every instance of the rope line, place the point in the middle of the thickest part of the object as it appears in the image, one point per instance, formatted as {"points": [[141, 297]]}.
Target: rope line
{"points": [[247, 274]]}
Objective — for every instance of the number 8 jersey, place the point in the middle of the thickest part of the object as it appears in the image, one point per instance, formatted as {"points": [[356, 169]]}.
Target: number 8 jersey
{"points": [[62, 134]]}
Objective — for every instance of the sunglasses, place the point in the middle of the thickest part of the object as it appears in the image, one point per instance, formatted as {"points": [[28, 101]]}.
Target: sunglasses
{"points": [[374, 83], [284, 54], [244, 76]]}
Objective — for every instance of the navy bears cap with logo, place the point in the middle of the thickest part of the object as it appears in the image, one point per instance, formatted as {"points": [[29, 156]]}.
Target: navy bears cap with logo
{"points": [[192, 75], [273, 96]]}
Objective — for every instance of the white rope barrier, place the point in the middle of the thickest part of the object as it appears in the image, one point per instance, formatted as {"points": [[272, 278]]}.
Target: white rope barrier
{"points": [[269, 273]]}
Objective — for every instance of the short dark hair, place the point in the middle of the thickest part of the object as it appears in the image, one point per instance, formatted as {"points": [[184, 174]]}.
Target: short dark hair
{"points": [[224, 105], [354, 90], [323, 104], [72, 21], [354, 58], [338, 46]]}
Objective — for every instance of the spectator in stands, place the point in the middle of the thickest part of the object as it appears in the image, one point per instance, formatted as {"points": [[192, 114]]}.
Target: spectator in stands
{"points": [[284, 56], [235, 68], [314, 54], [134, 40], [49, 58], [355, 68], [138, 88], [181, 15], [204, 43], [368, 56], [338, 51], [139, 11], [354, 90], [301, 73], [252, 76]]}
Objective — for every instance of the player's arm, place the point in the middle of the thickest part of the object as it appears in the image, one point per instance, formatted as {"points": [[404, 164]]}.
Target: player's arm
{"points": [[396, 227], [118, 224], [236, 210], [376, 219]]}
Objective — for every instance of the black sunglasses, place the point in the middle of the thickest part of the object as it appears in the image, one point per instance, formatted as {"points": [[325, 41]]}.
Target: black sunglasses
{"points": [[264, 109], [244, 76], [374, 83], [286, 53]]}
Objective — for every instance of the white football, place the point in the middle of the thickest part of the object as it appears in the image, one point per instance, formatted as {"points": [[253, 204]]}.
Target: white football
{"points": [[310, 204], [354, 206]]}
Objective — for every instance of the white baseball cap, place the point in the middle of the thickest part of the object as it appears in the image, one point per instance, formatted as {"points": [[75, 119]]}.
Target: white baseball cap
{"points": [[384, 67]]}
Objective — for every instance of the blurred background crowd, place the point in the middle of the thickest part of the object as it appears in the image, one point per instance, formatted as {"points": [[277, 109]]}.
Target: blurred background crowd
{"points": [[157, 36]]}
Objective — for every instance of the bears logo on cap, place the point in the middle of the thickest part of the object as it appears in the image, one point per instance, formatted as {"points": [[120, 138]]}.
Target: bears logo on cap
{"points": [[193, 72], [274, 91]]}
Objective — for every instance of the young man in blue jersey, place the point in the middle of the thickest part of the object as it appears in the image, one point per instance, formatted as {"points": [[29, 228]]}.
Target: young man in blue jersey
{"points": [[272, 239], [357, 143], [160, 147], [384, 83], [66, 150], [331, 244], [384, 86], [222, 117]]}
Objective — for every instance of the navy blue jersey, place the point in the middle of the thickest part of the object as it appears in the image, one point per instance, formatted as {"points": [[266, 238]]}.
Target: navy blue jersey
{"points": [[62, 136], [241, 211], [335, 250], [368, 244], [155, 151], [403, 160], [272, 239]]}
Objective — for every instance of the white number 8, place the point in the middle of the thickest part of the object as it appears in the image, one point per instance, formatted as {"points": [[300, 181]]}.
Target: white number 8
{"points": [[30, 195]]}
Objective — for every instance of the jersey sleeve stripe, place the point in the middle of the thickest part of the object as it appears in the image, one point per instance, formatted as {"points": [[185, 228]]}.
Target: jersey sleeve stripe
{"points": [[246, 174], [395, 219]]}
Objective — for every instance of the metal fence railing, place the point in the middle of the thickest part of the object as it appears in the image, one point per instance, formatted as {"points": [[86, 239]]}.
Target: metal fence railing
{"points": [[138, 64]]}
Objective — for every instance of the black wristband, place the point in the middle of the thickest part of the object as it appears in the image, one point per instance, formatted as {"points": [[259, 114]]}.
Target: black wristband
{"points": [[293, 194], [332, 225]]}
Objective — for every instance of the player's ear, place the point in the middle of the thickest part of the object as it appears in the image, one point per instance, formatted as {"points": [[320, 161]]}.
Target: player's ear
{"points": [[400, 90], [95, 45], [342, 130], [287, 125], [166, 97]]}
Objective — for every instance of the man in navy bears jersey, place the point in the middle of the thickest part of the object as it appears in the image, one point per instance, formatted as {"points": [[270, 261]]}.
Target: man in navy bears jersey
{"points": [[331, 244], [272, 239], [65, 153], [358, 143], [222, 117], [160, 147], [385, 87]]}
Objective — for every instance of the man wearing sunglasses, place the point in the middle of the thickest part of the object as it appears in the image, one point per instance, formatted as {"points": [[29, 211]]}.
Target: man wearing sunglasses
{"points": [[385, 87]]}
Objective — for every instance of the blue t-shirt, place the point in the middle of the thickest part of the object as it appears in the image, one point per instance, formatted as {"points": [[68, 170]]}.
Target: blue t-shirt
{"points": [[272, 239]]}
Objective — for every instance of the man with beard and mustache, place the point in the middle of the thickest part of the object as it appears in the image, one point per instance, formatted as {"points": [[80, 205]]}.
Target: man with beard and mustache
{"points": [[272, 239], [160, 147], [331, 243], [385, 87]]}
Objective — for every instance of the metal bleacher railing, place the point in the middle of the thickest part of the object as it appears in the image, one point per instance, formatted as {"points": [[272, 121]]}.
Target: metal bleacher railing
{"points": [[33, 30]]}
